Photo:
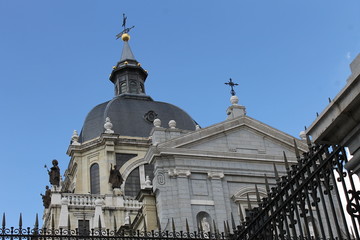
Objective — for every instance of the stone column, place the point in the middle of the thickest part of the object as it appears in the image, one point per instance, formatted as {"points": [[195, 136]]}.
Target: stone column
{"points": [[218, 197]]}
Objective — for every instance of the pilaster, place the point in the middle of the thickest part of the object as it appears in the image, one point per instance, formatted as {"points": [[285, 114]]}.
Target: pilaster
{"points": [[218, 196]]}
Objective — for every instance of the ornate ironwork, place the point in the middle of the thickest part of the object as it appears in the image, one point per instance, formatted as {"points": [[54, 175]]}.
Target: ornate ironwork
{"points": [[37, 233], [310, 202], [126, 30]]}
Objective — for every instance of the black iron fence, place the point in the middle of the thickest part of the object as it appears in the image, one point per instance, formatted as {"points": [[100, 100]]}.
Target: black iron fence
{"points": [[317, 199]]}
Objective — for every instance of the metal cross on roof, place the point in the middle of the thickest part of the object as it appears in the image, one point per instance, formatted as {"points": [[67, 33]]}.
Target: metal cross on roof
{"points": [[232, 85], [126, 30]]}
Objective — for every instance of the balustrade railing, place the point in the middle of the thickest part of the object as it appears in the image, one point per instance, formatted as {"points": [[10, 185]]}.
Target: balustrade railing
{"points": [[81, 199]]}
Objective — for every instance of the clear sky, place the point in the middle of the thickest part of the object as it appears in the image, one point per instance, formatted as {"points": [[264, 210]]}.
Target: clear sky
{"points": [[288, 57]]}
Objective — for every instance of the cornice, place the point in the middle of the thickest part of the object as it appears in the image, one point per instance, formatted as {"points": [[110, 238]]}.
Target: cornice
{"points": [[108, 139], [230, 125]]}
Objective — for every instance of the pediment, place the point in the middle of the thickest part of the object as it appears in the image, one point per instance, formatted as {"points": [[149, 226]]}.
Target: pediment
{"points": [[241, 135]]}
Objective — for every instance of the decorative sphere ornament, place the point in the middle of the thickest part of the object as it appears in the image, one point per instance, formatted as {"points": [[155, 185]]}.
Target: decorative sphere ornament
{"points": [[172, 124], [234, 100], [125, 37], [157, 122], [302, 135], [108, 126]]}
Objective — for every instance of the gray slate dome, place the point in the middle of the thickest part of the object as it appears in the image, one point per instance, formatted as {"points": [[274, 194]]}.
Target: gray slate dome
{"points": [[131, 112], [133, 116]]}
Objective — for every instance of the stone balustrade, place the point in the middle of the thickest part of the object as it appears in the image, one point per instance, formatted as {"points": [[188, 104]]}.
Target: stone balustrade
{"points": [[131, 203], [82, 199]]}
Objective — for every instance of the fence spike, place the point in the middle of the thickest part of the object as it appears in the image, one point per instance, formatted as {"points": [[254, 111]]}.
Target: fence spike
{"points": [[52, 222], [36, 225], [308, 141], [277, 178], [115, 227], [145, 228], [214, 225], [258, 199], [173, 224], [3, 221], [69, 222], [248, 201], [227, 226], [158, 221], [233, 225], [187, 225], [20, 221], [297, 153], [225, 229], [99, 222], [267, 185], [241, 215], [287, 167]]}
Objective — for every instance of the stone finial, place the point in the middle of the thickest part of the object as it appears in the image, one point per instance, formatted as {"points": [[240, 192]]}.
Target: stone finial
{"points": [[302, 135], [172, 124], [147, 181], [75, 138], [108, 126], [235, 110], [197, 127], [157, 122], [234, 100]]}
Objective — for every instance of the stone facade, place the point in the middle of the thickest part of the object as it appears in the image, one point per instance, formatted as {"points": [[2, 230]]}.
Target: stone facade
{"points": [[209, 172]]}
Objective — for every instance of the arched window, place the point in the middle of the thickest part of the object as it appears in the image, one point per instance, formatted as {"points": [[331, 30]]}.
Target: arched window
{"points": [[123, 87], [94, 179], [133, 87], [132, 183]]}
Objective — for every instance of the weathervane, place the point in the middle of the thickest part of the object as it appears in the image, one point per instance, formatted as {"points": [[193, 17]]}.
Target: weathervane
{"points": [[126, 30], [232, 85]]}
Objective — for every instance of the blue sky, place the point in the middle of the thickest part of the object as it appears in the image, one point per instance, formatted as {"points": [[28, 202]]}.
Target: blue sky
{"points": [[288, 57]]}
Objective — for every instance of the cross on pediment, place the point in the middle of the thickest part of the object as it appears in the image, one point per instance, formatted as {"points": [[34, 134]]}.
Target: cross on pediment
{"points": [[232, 85]]}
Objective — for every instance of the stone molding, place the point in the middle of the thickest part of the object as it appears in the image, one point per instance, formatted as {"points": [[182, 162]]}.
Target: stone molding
{"points": [[216, 175], [202, 202], [184, 173]]}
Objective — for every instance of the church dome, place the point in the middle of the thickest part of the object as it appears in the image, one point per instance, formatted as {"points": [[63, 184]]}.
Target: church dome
{"points": [[131, 111], [133, 116]]}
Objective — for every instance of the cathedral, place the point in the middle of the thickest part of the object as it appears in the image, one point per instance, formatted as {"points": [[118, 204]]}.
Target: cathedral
{"points": [[146, 165]]}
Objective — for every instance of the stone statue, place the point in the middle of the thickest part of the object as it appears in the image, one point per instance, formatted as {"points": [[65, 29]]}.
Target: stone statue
{"points": [[205, 225], [47, 197], [54, 174], [115, 177]]}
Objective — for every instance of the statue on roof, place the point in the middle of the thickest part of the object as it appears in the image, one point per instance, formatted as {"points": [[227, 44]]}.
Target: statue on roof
{"points": [[47, 197], [54, 173], [115, 177]]}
